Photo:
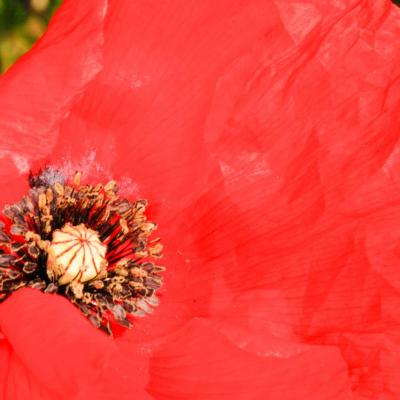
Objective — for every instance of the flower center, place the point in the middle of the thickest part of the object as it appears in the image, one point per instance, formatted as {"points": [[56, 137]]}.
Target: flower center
{"points": [[75, 254], [84, 242]]}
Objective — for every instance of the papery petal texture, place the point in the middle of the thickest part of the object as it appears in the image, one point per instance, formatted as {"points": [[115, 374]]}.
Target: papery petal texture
{"points": [[265, 137], [33, 103], [179, 370]]}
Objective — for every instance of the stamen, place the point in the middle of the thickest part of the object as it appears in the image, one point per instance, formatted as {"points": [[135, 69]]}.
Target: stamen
{"points": [[83, 242]]}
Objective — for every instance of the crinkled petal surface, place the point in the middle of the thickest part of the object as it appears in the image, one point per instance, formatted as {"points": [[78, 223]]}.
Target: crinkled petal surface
{"points": [[265, 137], [57, 347], [180, 370]]}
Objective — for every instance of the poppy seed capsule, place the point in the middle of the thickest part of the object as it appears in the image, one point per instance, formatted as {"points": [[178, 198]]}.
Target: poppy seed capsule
{"points": [[75, 254]]}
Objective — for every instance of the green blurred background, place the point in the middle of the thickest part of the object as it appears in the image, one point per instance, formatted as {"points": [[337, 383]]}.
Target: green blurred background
{"points": [[22, 22]]}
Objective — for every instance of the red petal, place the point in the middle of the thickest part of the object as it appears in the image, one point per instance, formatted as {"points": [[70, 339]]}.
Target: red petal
{"points": [[38, 91], [266, 138], [198, 363], [16, 382], [140, 117], [54, 346]]}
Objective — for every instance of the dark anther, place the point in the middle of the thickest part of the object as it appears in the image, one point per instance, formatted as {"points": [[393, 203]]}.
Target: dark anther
{"points": [[46, 177], [114, 281]]}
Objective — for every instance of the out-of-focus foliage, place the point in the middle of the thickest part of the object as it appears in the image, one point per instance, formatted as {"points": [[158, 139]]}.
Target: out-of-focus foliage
{"points": [[22, 22]]}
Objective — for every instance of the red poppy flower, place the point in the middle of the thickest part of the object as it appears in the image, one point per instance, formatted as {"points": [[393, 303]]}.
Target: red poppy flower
{"points": [[265, 137]]}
